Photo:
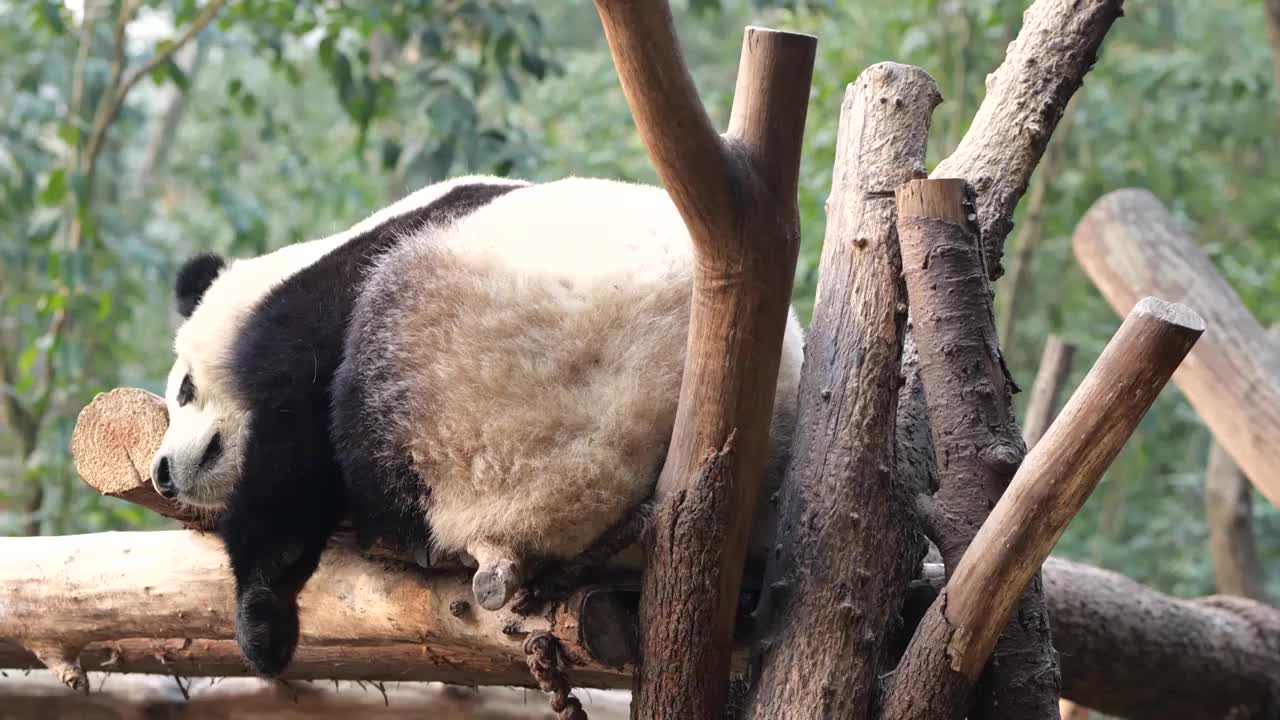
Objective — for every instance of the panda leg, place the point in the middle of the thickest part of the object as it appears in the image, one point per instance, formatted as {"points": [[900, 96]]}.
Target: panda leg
{"points": [[498, 575]]}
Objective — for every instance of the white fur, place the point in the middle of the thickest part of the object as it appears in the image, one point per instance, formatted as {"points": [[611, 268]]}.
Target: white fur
{"points": [[538, 354], [204, 342]]}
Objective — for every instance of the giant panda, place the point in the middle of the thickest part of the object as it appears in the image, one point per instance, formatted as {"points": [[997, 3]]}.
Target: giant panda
{"points": [[487, 368]]}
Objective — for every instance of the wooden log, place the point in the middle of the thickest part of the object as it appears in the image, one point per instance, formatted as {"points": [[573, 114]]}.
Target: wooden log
{"points": [[1130, 651], [1026, 97], [832, 588], [737, 195], [977, 444], [1042, 407], [1130, 246], [360, 618], [177, 697], [953, 642]]}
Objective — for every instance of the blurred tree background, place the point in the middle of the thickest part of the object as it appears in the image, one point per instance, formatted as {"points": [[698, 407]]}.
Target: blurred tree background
{"points": [[136, 132]]}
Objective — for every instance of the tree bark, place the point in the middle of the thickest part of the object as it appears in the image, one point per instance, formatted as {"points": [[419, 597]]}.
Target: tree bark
{"points": [[1026, 97], [1132, 652], [737, 195], [1130, 246], [1228, 501], [833, 585], [361, 619], [1042, 407], [977, 444], [952, 643]]}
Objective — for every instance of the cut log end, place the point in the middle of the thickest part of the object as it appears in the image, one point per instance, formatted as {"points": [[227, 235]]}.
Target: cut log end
{"points": [[1175, 315]]}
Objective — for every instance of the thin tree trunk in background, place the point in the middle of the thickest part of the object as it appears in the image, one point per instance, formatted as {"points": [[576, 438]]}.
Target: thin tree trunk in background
{"points": [[1228, 500], [1051, 377], [1272, 10], [157, 157], [1032, 230]]}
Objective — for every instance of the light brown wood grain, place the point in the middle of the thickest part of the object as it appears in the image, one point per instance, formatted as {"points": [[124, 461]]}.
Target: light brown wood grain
{"points": [[1131, 246], [825, 589], [360, 619], [737, 195], [1062, 470]]}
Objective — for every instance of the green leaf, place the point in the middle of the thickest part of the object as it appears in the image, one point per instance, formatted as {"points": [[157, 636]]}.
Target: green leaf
{"points": [[49, 14], [248, 103], [55, 188], [234, 86], [176, 74], [391, 154], [69, 134]]}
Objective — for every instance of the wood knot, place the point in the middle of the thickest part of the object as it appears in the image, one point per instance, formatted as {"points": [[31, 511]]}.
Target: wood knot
{"points": [[458, 608], [1002, 457]]}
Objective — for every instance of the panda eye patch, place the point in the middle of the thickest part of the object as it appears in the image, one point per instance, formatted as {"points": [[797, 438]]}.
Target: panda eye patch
{"points": [[187, 392]]}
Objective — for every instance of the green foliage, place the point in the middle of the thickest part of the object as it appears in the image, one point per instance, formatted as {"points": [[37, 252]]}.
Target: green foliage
{"points": [[307, 115]]}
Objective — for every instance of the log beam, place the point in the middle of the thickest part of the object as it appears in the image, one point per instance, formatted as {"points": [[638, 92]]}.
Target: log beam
{"points": [[737, 196], [950, 647], [1131, 246], [824, 606]]}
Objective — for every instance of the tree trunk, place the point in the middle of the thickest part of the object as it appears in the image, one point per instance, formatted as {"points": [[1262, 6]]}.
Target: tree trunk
{"points": [[1130, 246], [952, 643], [977, 444], [737, 196], [833, 586], [1229, 510]]}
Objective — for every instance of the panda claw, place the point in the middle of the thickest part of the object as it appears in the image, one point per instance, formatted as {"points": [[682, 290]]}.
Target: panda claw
{"points": [[495, 583]]}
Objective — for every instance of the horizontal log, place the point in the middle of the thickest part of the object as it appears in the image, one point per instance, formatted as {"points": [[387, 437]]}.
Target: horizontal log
{"points": [[360, 618], [1131, 246]]}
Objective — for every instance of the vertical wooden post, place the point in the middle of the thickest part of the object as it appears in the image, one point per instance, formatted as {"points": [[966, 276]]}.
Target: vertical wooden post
{"points": [[737, 195]]}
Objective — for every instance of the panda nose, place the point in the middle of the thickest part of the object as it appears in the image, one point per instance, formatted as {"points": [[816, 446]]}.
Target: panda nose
{"points": [[162, 478]]}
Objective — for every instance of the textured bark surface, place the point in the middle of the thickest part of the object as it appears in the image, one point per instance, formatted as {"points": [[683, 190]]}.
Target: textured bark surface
{"points": [[1026, 96], [360, 619], [1130, 246], [977, 444], [1042, 406], [1048, 489], [1132, 652], [832, 587], [1228, 501], [737, 195]]}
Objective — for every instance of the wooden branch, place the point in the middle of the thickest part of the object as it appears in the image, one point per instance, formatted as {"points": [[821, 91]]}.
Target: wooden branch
{"points": [[1026, 96], [1042, 407], [737, 195], [1228, 499], [831, 589], [167, 597], [953, 642], [177, 697], [977, 444], [1131, 246], [1132, 652]]}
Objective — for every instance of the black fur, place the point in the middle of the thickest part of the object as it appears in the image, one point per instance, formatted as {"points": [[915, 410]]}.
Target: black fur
{"points": [[194, 277], [290, 494]]}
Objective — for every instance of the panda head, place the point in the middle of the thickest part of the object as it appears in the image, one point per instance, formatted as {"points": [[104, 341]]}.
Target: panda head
{"points": [[198, 459]]}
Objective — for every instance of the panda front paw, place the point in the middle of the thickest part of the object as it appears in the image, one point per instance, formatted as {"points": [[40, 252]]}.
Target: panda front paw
{"points": [[266, 630]]}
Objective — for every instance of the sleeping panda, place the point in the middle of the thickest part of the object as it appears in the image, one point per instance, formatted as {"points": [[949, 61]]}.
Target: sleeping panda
{"points": [[487, 368]]}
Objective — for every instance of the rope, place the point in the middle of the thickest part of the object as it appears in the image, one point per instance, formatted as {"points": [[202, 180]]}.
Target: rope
{"points": [[546, 658]]}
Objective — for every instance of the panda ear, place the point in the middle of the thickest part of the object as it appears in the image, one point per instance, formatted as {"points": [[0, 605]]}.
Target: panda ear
{"points": [[194, 278]]}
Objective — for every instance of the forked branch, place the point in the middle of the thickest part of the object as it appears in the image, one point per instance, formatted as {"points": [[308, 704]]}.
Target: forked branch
{"points": [[737, 196]]}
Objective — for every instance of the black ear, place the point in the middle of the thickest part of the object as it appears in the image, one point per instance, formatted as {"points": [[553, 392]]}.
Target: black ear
{"points": [[194, 277]]}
